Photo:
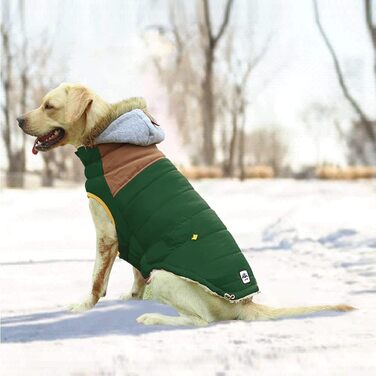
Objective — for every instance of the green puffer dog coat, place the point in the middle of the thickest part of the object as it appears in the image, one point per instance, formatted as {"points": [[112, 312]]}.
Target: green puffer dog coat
{"points": [[161, 221]]}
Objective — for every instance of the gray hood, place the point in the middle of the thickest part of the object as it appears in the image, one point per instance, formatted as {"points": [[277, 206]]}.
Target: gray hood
{"points": [[133, 127]]}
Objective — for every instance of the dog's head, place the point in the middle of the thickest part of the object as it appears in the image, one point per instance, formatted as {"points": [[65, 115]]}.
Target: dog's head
{"points": [[62, 118]]}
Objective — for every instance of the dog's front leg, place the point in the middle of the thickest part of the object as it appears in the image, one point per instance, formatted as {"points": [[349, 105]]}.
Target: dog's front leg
{"points": [[107, 248]]}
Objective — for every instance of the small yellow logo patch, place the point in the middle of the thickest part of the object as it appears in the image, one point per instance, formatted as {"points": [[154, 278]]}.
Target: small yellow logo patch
{"points": [[194, 236]]}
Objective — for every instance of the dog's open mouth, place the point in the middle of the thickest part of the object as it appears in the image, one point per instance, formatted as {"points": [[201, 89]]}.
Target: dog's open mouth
{"points": [[47, 141]]}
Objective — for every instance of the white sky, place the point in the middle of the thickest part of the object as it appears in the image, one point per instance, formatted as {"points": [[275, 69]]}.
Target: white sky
{"points": [[98, 43]]}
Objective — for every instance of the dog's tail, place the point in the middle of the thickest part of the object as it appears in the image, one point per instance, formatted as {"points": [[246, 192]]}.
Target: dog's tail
{"points": [[253, 311]]}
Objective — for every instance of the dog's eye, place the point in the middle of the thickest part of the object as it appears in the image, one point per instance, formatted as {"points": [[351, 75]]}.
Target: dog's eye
{"points": [[48, 106]]}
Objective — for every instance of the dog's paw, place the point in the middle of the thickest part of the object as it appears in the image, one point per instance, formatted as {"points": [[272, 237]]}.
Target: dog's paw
{"points": [[81, 307], [149, 319], [126, 296], [130, 296]]}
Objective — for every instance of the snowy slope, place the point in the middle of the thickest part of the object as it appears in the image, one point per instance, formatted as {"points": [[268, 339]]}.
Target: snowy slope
{"points": [[307, 242]]}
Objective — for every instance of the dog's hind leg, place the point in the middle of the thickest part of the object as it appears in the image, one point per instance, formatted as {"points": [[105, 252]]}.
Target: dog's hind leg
{"points": [[195, 305], [107, 248], [158, 319], [138, 287]]}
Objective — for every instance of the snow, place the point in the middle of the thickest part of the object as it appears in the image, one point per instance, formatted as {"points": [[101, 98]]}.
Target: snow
{"points": [[308, 242]]}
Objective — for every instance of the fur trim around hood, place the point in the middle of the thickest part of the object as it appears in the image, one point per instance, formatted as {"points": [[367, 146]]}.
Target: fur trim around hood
{"points": [[133, 127], [128, 121]]}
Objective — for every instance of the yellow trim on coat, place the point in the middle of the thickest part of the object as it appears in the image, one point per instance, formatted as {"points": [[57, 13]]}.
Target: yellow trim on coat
{"points": [[101, 202]]}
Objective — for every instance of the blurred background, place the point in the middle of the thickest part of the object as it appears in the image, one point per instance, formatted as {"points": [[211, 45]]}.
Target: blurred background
{"points": [[243, 89]]}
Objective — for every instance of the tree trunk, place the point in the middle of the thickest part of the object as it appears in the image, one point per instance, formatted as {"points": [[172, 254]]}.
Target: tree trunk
{"points": [[208, 103], [47, 178], [242, 150], [16, 157], [228, 170], [15, 173], [207, 112], [47, 174]]}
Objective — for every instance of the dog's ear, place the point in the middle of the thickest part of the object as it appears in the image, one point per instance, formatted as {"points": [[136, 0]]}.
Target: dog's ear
{"points": [[78, 102]]}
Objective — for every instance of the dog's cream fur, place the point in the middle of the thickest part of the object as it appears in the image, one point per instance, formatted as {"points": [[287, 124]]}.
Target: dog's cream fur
{"points": [[83, 115]]}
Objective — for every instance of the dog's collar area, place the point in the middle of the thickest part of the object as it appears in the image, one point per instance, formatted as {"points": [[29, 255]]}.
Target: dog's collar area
{"points": [[88, 155]]}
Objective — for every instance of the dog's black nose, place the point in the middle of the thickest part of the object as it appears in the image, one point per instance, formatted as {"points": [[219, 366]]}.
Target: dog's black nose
{"points": [[21, 122]]}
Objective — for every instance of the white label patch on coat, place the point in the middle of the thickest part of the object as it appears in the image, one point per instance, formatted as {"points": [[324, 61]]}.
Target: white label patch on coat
{"points": [[244, 276]]}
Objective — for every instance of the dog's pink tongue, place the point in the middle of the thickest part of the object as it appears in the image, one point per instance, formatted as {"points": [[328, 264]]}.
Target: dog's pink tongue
{"points": [[34, 150]]}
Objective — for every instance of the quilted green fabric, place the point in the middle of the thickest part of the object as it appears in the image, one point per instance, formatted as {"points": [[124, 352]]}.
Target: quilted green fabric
{"points": [[163, 223]]}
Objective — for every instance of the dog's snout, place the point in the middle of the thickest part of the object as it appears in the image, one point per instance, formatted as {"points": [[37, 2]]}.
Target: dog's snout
{"points": [[21, 122]]}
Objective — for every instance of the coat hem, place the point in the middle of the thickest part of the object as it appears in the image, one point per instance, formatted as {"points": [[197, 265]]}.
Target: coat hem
{"points": [[207, 289]]}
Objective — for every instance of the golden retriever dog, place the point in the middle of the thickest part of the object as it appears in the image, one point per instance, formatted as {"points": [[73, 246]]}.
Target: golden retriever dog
{"points": [[72, 114]]}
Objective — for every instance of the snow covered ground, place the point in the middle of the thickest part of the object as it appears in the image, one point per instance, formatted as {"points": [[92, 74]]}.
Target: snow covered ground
{"points": [[308, 242]]}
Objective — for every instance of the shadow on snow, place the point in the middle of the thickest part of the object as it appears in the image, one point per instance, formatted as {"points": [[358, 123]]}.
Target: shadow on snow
{"points": [[107, 318]]}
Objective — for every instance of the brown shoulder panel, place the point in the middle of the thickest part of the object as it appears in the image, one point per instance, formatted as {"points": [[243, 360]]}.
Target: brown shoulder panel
{"points": [[122, 162]]}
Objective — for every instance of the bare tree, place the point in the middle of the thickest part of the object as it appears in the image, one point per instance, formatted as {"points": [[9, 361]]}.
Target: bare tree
{"points": [[319, 119], [266, 146], [14, 151], [236, 102], [365, 125], [26, 75], [210, 41], [179, 71], [189, 74]]}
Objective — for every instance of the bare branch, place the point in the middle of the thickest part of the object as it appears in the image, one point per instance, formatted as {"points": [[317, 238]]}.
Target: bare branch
{"points": [[208, 21], [370, 26], [262, 53], [368, 5], [363, 117], [223, 26], [340, 131], [213, 39]]}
